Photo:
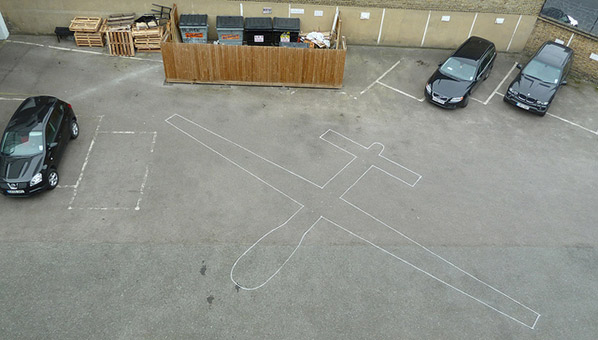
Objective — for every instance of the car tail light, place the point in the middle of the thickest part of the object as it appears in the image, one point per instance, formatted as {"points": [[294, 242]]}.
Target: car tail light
{"points": [[70, 106]]}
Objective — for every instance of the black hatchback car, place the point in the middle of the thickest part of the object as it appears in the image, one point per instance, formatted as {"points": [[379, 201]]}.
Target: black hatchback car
{"points": [[33, 144], [535, 86], [455, 79]]}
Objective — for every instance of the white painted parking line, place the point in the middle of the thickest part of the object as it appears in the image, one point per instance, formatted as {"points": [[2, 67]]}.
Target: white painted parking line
{"points": [[93, 140], [502, 82], [564, 120], [402, 92], [142, 187], [76, 186], [477, 100], [572, 123], [80, 50], [21, 99], [24, 43], [382, 76]]}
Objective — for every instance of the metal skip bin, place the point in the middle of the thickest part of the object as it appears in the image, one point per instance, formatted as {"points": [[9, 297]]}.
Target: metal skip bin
{"points": [[230, 30], [194, 28], [258, 31], [286, 30]]}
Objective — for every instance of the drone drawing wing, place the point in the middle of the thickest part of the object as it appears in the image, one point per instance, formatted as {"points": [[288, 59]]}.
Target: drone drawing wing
{"points": [[329, 203]]}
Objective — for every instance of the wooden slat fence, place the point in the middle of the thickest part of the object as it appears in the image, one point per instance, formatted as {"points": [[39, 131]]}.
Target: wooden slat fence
{"points": [[251, 65]]}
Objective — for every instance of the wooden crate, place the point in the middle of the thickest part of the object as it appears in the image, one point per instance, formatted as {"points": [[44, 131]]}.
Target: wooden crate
{"points": [[120, 42], [148, 39], [97, 39], [85, 24]]}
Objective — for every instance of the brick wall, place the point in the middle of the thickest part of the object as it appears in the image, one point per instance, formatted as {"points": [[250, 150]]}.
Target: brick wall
{"points": [[524, 7], [582, 44]]}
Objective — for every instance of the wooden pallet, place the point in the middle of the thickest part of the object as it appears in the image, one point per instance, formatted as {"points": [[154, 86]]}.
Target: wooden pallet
{"points": [[97, 39], [85, 24], [148, 39], [120, 42]]}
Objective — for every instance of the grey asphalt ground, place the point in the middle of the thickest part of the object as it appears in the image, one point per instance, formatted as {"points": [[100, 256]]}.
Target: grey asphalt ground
{"points": [[141, 236]]}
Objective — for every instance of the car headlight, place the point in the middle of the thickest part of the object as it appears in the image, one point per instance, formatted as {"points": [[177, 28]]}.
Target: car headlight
{"points": [[428, 88], [542, 103], [36, 179], [455, 100], [511, 91]]}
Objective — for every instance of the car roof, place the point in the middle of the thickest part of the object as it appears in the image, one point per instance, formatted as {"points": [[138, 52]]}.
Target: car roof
{"points": [[554, 54], [473, 48], [31, 113]]}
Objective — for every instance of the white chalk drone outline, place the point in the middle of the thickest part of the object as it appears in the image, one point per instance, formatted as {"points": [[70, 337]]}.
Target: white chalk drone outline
{"points": [[385, 165]]}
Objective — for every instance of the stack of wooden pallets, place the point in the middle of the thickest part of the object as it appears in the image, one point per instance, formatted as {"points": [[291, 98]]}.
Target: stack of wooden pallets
{"points": [[120, 39], [147, 36], [89, 31], [120, 42]]}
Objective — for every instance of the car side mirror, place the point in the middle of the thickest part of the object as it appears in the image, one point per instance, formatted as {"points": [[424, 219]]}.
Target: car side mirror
{"points": [[564, 82], [519, 66], [52, 145], [440, 64]]}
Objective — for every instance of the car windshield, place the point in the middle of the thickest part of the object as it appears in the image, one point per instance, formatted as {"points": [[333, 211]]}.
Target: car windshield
{"points": [[458, 68], [544, 72], [22, 143]]}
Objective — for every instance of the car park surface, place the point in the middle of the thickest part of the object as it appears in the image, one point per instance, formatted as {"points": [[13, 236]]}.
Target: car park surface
{"points": [[506, 196]]}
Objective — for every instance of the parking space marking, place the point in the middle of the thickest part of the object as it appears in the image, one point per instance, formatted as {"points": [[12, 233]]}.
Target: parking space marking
{"points": [[67, 49], [93, 140], [97, 132], [382, 76], [302, 221], [574, 124], [401, 92], [502, 82], [564, 120], [477, 100], [21, 99], [514, 31]]}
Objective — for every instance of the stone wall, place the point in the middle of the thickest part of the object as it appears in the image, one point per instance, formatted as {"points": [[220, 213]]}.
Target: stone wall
{"points": [[582, 44], [523, 7]]}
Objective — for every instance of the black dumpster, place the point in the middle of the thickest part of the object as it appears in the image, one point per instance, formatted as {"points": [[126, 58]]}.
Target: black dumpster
{"points": [[286, 30], [258, 31]]}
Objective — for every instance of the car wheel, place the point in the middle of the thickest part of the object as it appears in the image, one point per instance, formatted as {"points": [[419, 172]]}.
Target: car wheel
{"points": [[465, 101], [74, 129], [52, 179]]}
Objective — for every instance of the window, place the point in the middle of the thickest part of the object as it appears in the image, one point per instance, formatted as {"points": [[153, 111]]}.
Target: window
{"points": [[53, 125], [580, 15]]}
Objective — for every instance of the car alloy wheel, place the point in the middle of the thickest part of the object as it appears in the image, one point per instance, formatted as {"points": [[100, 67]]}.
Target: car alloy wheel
{"points": [[52, 179], [74, 129]]}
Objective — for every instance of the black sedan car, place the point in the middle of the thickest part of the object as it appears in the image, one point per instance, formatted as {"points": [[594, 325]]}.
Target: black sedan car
{"points": [[33, 144], [455, 79], [536, 84]]}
